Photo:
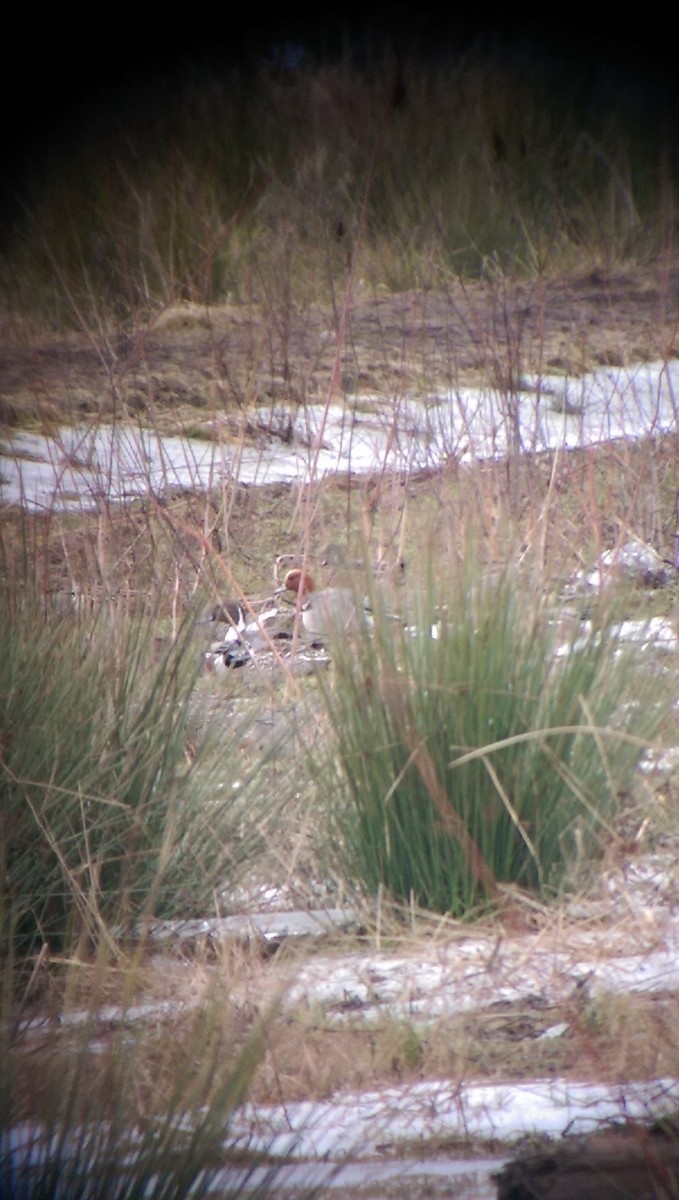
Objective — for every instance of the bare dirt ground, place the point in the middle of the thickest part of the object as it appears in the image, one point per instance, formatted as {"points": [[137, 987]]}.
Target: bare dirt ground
{"points": [[230, 357]]}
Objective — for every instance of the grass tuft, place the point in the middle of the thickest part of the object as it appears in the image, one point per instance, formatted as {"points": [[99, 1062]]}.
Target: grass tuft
{"points": [[111, 814], [468, 751]]}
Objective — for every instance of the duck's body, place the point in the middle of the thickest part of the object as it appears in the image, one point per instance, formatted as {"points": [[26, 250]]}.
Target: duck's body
{"points": [[334, 609], [246, 631], [232, 613], [331, 610], [225, 656]]}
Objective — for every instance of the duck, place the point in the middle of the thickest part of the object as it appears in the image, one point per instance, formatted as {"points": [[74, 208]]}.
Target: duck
{"points": [[331, 610], [244, 618], [225, 656], [247, 631], [233, 613]]}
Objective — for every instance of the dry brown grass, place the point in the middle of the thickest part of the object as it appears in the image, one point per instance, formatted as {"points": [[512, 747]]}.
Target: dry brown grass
{"points": [[554, 514], [311, 1054]]}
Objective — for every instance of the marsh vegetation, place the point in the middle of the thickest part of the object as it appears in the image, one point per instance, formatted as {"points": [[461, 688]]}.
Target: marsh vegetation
{"points": [[471, 762]]}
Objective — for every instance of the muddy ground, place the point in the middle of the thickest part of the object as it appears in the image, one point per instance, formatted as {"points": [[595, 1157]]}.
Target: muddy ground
{"points": [[229, 357]]}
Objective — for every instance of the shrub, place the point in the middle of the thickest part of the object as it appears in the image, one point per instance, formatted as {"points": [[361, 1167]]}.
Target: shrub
{"points": [[467, 751]]}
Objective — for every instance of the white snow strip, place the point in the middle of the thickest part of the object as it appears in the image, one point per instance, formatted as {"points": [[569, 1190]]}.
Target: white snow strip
{"points": [[76, 467]]}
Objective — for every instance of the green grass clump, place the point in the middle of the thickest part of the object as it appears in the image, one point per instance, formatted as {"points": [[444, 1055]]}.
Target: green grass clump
{"points": [[108, 814], [478, 756]]}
